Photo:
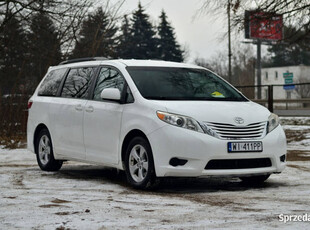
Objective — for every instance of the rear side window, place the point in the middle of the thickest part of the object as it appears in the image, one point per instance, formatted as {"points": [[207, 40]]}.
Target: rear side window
{"points": [[50, 84], [78, 82]]}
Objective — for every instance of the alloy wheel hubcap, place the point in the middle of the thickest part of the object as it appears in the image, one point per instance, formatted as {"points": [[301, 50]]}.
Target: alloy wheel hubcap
{"points": [[138, 163], [44, 149]]}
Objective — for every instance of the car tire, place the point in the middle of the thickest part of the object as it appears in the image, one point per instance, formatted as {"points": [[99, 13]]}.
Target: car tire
{"points": [[255, 179], [44, 152], [139, 164]]}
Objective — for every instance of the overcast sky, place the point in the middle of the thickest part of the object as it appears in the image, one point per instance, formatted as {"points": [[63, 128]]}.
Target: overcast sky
{"points": [[201, 34]]}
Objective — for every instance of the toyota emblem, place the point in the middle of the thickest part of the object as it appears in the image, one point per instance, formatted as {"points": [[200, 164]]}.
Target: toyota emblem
{"points": [[239, 120]]}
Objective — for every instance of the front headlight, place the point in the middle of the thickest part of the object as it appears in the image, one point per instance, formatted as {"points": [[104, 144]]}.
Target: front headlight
{"points": [[273, 122], [180, 121]]}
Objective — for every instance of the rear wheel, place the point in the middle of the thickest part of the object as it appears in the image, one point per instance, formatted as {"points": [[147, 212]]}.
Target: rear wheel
{"points": [[255, 179], [139, 164], [44, 152]]}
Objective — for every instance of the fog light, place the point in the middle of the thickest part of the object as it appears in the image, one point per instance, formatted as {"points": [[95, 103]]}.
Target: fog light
{"points": [[282, 158], [177, 162]]}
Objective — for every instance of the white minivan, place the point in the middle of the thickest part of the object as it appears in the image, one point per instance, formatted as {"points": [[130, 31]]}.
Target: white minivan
{"points": [[152, 119]]}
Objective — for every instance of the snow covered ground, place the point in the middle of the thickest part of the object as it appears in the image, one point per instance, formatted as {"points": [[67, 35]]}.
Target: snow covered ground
{"points": [[82, 196]]}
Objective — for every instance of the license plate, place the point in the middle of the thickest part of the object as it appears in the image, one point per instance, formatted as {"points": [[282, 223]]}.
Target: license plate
{"points": [[255, 146]]}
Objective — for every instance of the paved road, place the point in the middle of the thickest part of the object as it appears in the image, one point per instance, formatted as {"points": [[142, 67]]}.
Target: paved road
{"points": [[293, 112]]}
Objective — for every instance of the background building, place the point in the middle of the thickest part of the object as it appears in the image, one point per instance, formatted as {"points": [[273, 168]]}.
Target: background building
{"points": [[277, 75]]}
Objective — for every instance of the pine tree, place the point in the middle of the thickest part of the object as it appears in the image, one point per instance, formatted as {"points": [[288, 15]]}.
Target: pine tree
{"points": [[293, 52], [286, 55], [168, 48], [97, 36], [144, 43], [124, 49], [12, 50], [44, 48]]}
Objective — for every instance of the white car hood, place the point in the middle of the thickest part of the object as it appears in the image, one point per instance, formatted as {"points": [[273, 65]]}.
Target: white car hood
{"points": [[218, 111]]}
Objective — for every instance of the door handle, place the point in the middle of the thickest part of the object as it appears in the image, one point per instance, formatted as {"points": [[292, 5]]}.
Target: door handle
{"points": [[79, 107], [89, 109]]}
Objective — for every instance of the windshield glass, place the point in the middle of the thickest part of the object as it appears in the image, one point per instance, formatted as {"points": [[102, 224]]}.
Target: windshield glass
{"points": [[166, 83]]}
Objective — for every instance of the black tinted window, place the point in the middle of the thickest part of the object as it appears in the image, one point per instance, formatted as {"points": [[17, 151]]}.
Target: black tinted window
{"points": [[51, 83], [129, 97], [108, 78], [163, 83], [78, 82]]}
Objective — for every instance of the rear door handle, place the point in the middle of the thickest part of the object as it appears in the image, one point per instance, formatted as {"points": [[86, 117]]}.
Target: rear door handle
{"points": [[89, 109], [79, 107]]}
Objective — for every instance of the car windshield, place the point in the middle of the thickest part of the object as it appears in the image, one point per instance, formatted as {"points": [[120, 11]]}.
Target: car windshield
{"points": [[167, 83]]}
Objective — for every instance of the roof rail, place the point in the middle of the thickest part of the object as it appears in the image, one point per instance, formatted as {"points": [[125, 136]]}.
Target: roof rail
{"points": [[83, 59]]}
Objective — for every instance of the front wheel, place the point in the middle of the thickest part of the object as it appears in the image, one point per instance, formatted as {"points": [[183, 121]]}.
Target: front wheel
{"points": [[44, 152], [139, 164], [255, 179]]}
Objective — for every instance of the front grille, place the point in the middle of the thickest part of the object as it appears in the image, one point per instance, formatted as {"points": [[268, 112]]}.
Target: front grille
{"points": [[239, 163], [228, 131]]}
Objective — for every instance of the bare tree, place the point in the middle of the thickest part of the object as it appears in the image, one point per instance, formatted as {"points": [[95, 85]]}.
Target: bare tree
{"points": [[243, 69], [217, 63], [295, 12], [67, 15], [24, 9], [243, 64]]}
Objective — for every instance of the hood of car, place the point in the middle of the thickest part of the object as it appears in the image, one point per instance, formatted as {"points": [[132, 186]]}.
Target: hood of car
{"points": [[230, 112]]}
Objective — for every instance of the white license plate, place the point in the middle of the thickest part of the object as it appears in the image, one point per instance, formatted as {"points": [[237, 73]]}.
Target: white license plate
{"points": [[255, 146]]}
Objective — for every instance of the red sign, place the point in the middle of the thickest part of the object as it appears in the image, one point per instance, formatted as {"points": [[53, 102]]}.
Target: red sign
{"points": [[265, 26]]}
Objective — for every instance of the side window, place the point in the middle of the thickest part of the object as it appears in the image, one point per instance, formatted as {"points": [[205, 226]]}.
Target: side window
{"points": [[108, 78], [50, 84], [129, 97], [78, 82]]}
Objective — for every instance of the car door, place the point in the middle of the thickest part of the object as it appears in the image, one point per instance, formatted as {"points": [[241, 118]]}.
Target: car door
{"points": [[68, 110], [102, 119]]}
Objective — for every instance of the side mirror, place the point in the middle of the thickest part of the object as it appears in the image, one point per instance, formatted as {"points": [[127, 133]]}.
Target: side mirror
{"points": [[112, 94]]}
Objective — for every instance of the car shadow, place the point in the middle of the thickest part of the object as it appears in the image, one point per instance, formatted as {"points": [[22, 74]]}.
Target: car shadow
{"points": [[212, 185], [106, 175]]}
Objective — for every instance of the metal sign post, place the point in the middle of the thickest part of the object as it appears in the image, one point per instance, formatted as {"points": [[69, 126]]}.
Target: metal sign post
{"points": [[259, 69], [262, 27], [288, 87]]}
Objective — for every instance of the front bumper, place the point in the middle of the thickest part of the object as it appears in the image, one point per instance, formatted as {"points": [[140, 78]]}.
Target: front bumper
{"points": [[199, 148]]}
